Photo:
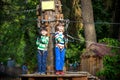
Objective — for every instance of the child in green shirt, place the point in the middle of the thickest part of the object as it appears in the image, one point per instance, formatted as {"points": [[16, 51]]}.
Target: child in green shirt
{"points": [[42, 44]]}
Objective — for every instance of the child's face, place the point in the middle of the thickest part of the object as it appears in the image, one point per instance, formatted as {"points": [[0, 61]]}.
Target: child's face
{"points": [[43, 32], [61, 28]]}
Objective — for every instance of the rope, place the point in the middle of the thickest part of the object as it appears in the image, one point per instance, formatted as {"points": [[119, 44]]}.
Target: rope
{"points": [[72, 21], [91, 42], [23, 11]]}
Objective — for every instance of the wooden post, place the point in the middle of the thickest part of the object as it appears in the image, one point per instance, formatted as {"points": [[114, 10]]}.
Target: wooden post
{"points": [[50, 62]]}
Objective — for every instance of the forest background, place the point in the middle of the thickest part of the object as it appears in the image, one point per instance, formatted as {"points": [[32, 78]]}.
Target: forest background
{"points": [[18, 31]]}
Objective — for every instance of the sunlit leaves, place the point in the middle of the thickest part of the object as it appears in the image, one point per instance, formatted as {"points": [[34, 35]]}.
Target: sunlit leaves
{"points": [[13, 26]]}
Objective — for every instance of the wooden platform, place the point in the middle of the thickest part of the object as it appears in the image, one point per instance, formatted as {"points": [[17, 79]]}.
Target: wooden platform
{"points": [[71, 76]]}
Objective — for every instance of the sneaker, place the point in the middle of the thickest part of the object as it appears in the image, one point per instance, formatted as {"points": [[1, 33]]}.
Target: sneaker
{"points": [[62, 73], [43, 73], [37, 73], [57, 73]]}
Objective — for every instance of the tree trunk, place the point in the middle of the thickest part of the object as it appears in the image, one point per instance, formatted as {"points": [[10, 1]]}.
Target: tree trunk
{"points": [[50, 18], [88, 22]]}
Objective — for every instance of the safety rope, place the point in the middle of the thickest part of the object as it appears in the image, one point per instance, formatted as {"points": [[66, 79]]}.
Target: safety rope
{"points": [[91, 42]]}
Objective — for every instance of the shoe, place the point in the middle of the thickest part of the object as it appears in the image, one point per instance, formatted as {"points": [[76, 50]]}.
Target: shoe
{"points": [[37, 73], [57, 73], [43, 73], [62, 73]]}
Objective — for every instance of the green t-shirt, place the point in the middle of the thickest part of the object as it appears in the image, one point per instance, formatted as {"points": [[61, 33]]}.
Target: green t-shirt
{"points": [[42, 42]]}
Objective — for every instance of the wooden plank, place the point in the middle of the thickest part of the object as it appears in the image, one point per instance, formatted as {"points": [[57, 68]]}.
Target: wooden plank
{"points": [[71, 76], [58, 78]]}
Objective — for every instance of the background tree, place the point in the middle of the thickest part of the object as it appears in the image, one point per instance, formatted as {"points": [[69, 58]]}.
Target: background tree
{"points": [[88, 22], [17, 31]]}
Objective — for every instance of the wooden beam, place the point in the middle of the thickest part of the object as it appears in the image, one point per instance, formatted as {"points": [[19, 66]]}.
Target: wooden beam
{"points": [[75, 76]]}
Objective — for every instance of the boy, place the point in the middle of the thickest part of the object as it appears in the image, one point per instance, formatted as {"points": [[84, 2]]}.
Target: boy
{"points": [[42, 44], [59, 50]]}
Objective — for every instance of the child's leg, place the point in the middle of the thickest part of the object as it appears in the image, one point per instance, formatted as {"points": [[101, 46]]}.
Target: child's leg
{"points": [[57, 59], [62, 58], [39, 57], [44, 59]]}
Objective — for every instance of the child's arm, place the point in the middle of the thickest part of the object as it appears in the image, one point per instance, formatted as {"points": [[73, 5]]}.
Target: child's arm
{"points": [[37, 41], [45, 40]]}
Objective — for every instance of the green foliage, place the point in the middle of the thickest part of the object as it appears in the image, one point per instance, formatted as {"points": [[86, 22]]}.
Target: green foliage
{"points": [[17, 31], [112, 43], [111, 68], [73, 52]]}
